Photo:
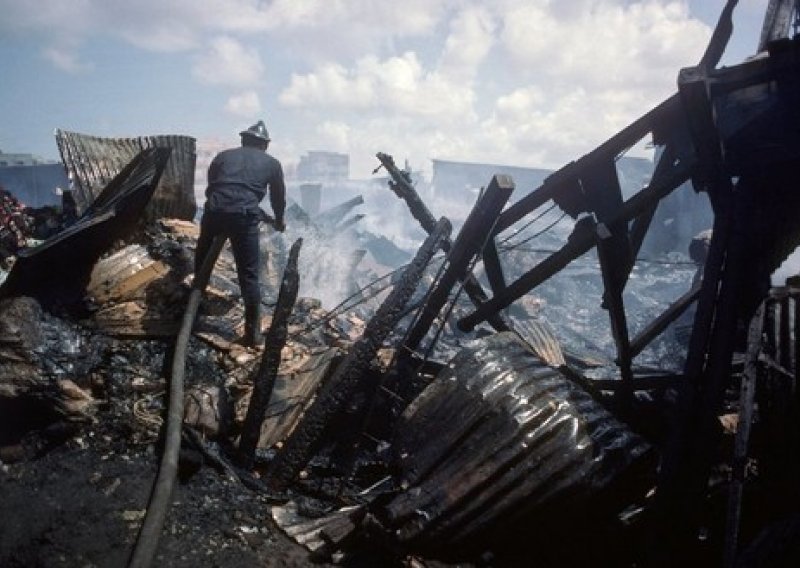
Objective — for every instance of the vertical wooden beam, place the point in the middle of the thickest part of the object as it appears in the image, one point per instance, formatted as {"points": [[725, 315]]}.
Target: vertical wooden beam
{"points": [[601, 185], [494, 269], [301, 444], [739, 462], [274, 342], [613, 302], [470, 242], [401, 186]]}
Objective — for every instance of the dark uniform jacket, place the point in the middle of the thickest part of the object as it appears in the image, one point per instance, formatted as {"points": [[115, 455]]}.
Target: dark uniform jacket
{"points": [[238, 180]]}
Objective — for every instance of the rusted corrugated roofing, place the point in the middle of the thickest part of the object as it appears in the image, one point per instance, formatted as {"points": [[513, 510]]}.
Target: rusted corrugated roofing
{"points": [[493, 441], [92, 162]]}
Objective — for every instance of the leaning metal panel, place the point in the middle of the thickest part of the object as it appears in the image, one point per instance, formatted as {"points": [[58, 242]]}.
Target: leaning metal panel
{"points": [[92, 162]]}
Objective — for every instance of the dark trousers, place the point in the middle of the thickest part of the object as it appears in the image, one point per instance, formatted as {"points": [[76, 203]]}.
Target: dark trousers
{"points": [[242, 230]]}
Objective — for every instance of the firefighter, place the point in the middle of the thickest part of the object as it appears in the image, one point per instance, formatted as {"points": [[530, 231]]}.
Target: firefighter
{"points": [[238, 179]]}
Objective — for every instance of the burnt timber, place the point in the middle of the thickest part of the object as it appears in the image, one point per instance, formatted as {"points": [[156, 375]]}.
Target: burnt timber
{"points": [[733, 132], [508, 435]]}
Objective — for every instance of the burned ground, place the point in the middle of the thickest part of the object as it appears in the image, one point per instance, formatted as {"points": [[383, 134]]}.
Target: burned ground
{"points": [[434, 426]]}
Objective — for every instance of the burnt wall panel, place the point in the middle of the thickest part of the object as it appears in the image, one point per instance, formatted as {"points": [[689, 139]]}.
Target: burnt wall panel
{"points": [[92, 162]]}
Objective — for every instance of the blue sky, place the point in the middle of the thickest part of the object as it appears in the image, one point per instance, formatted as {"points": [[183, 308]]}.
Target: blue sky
{"points": [[522, 82]]}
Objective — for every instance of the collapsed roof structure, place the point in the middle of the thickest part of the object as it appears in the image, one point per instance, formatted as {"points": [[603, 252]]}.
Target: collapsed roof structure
{"points": [[453, 457]]}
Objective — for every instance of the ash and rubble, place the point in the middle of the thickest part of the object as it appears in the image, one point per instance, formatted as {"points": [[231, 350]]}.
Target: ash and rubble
{"points": [[406, 424], [76, 376], [94, 372]]}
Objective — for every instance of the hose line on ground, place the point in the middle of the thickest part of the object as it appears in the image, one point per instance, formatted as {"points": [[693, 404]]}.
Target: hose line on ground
{"points": [[147, 541]]}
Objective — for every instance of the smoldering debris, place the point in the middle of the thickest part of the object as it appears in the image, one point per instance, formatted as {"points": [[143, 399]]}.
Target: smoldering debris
{"points": [[104, 355], [464, 407]]}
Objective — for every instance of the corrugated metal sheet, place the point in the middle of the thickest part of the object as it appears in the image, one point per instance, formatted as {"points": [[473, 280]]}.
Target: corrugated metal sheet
{"points": [[92, 162], [68, 256], [542, 340], [497, 440]]}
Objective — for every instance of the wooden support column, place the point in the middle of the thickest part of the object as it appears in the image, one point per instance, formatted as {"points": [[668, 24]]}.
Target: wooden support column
{"points": [[301, 444], [469, 243], [494, 269], [401, 186], [739, 462], [603, 192], [678, 489], [610, 265], [658, 325], [274, 342]]}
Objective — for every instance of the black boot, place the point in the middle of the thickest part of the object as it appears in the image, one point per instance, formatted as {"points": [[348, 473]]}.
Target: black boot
{"points": [[252, 325]]}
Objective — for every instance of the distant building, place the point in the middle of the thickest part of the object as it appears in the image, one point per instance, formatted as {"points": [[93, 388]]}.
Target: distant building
{"points": [[32, 180], [323, 167], [453, 179], [22, 160]]}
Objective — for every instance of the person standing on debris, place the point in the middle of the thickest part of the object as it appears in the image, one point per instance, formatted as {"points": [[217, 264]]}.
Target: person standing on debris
{"points": [[238, 179]]}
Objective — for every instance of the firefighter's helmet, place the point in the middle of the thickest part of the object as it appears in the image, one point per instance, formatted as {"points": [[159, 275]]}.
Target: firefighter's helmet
{"points": [[258, 131]]}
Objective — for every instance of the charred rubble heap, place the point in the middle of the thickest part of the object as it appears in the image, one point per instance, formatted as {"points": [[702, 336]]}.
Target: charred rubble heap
{"points": [[416, 422]]}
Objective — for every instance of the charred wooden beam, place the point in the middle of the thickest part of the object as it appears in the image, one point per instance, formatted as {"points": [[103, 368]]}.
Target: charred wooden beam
{"points": [[274, 341], [729, 291], [581, 240], [564, 185], [658, 325], [777, 22], [469, 243], [604, 196], [494, 268], [720, 37], [401, 186], [351, 371], [639, 228], [739, 462], [671, 500], [614, 272]]}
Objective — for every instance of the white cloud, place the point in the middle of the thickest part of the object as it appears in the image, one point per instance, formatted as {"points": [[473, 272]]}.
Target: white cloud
{"points": [[227, 62], [471, 37], [606, 43], [394, 85], [528, 82], [66, 59], [245, 105]]}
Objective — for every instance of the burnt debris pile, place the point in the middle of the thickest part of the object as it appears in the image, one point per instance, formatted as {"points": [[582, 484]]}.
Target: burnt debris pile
{"points": [[467, 405]]}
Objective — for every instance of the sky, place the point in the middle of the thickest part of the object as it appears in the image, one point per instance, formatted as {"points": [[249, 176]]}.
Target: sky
{"points": [[518, 82]]}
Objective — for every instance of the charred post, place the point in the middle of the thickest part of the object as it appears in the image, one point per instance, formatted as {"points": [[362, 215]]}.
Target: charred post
{"points": [[299, 446], [274, 341], [470, 242], [401, 186]]}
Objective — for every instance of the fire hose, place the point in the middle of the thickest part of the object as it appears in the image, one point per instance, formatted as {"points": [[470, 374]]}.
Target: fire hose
{"points": [[147, 541]]}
